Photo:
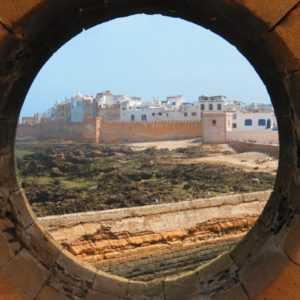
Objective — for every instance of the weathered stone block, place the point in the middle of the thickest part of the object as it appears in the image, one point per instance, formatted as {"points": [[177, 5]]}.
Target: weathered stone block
{"points": [[153, 290], [111, 285], [282, 44], [286, 285], [97, 295], [49, 293], [74, 268], [182, 286], [27, 274], [249, 245], [270, 14], [263, 269], [291, 245], [22, 209], [41, 245], [234, 293]]}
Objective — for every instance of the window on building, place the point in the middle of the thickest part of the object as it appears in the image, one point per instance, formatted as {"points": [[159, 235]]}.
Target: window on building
{"points": [[262, 122], [159, 113], [194, 114], [234, 125], [153, 114], [211, 107], [202, 107], [234, 116], [132, 117], [248, 122], [185, 114], [167, 114], [174, 103], [269, 123], [214, 122], [219, 106], [144, 117]]}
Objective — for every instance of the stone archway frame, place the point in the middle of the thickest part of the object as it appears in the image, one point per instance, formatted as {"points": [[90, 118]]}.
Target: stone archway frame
{"points": [[265, 265]]}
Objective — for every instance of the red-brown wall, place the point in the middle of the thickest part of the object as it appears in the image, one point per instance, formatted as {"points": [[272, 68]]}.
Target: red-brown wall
{"points": [[59, 130], [116, 132], [101, 131]]}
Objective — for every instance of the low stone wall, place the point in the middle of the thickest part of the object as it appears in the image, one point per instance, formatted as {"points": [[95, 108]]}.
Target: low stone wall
{"points": [[155, 218], [149, 242], [122, 132], [267, 136], [240, 147]]}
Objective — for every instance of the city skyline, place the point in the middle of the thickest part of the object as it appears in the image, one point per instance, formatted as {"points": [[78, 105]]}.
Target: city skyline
{"points": [[141, 56]]}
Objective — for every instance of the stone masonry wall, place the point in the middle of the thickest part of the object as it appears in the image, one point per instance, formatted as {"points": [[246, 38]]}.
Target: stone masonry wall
{"points": [[59, 130], [101, 131], [156, 240], [155, 218], [240, 147], [122, 132]]}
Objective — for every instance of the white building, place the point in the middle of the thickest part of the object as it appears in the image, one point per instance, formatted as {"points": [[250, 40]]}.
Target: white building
{"points": [[80, 108], [104, 99], [174, 102], [172, 109], [246, 121], [211, 104]]}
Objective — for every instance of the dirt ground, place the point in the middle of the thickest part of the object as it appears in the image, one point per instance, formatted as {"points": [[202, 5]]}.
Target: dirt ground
{"points": [[248, 161], [69, 178]]}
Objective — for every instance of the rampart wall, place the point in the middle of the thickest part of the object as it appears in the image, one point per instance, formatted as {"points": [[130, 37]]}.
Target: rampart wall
{"points": [[116, 132], [240, 147], [254, 136], [101, 131]]}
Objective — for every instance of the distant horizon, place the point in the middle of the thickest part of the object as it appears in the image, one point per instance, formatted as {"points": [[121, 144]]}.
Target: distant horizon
{"points": [[143, 55]]}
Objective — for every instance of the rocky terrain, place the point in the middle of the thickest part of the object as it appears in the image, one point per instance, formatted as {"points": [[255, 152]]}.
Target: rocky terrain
{"points": [[70, 178]]}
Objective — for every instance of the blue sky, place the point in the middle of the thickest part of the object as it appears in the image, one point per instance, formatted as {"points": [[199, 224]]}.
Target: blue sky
{"points": [[147, 56]]}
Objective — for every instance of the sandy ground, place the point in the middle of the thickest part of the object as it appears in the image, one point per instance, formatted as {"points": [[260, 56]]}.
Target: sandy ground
{"points": [[171, 145], [249, 161]]}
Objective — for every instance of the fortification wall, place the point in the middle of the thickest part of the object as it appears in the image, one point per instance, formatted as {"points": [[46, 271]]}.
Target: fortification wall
{"points": [[122, 132], [102, 131], [59, 130], [254, 136], [240, 147]]}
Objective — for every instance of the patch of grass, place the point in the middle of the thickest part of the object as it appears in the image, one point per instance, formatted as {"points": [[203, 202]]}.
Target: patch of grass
{"points": [[76, 183], [40, 180], [20, 153]]}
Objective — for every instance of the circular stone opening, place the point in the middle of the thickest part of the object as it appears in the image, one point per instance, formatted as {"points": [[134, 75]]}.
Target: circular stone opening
{"points": [[270, 246], [187, 189]]}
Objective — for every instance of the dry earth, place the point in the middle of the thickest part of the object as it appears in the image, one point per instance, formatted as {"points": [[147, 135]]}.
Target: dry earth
{"points": [[71, 178]]}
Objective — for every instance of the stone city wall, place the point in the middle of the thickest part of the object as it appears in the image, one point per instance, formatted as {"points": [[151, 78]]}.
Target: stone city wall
{"points": [[60, 130], [240, 147], [267, 136], [124, 132], [101, 131]]}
